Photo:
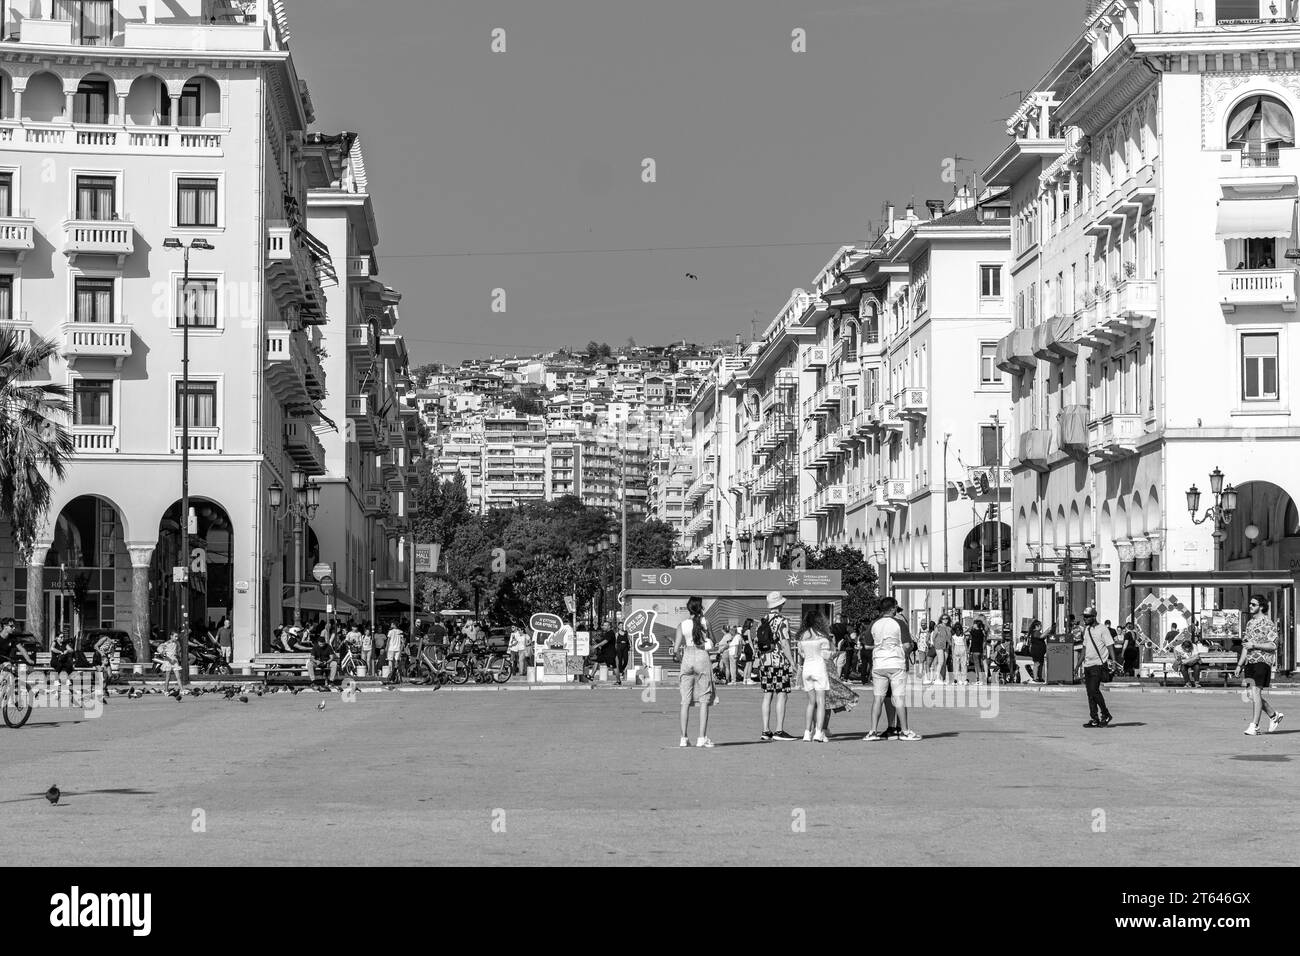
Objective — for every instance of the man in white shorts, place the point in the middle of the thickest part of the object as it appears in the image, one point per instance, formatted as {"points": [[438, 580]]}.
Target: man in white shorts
{"points": [[889, 670]]}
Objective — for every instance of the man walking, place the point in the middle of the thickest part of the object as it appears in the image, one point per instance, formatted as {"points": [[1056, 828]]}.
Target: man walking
{"points": [[1258, 655], [1097, 645], [889, 670]]}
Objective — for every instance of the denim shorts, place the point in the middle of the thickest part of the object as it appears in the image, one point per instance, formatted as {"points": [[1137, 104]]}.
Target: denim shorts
{"points": [[696, 681]]}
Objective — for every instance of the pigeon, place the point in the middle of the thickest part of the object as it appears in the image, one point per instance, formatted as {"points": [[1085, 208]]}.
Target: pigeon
{"points": [[230, 693], [53, 795], [321, 705], [243, 698], [692, 275]]}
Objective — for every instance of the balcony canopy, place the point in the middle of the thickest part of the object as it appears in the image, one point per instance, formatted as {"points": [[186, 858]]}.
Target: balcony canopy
{"points": [[1256, 218]]}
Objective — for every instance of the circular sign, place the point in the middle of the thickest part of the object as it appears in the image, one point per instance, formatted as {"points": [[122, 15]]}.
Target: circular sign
{"points": [[322, 571], [665, 579]]}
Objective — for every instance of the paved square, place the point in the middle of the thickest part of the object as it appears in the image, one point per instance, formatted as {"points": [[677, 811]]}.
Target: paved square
{"points": [[596, 777]]}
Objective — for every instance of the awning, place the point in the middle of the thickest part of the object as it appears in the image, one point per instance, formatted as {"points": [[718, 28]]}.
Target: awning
{"points": [[944, 581], [322, 254], [313, 600], [1209, 579], [1256, 218]]}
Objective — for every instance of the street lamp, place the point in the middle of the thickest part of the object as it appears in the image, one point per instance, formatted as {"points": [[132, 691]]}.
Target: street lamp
{"points": [[1221, 512], [187, 320], [726, 544], [301, 507], [744, 538], [759, 538]]}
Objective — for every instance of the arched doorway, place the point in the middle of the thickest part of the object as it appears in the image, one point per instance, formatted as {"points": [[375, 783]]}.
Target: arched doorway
{"points": [[988, 548], [1264, 534], [211, 584], [82, 587]]}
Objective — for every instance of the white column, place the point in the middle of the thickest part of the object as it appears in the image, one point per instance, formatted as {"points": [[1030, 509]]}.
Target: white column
{"points": [[151, 11]]}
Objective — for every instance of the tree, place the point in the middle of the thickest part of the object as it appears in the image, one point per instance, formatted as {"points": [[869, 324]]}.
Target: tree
{"points": [[526, 406], [650, 544], [439, 594], [857, 578], [33, 437]]}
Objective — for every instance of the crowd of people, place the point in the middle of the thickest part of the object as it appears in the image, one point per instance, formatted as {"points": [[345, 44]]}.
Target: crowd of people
{"points": [[823, 658]]}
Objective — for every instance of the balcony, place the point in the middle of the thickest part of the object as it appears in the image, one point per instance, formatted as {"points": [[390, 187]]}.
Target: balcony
{"points": [[1035, 448], [293, 271], [1072, 429], [94, 439], [997, 476], [361, 341], [21, 332], [1257, 287], [815, 357], [913, 402], [360, 268], [90, 237], [886, 417], [1135, 305], [293, 371], [394, 346], [361, 416], [17, 236], [304, 447], [1015, 352], [1053, 339], [892, 494], [1114, 436], [203, 441], [375, 502], [96, 340]]}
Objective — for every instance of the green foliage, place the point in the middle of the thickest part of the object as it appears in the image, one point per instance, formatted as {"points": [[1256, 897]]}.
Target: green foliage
{"points": [[857, 576], [651, 544], [34, 438]]}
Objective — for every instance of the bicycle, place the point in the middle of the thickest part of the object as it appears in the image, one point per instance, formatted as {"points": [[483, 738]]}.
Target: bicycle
{"points": [[15, 702], [496, 667]]}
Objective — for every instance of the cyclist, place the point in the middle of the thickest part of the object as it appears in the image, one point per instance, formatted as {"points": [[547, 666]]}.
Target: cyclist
{"points": [[11, 649]]}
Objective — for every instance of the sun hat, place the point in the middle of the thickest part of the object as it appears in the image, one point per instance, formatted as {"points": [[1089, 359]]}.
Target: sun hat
{"points": [[774, 600]]}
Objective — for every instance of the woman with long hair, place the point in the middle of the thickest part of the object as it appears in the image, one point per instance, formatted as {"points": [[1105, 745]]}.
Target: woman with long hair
{"points": [[696, 680], [747, 650], [815, 649]]}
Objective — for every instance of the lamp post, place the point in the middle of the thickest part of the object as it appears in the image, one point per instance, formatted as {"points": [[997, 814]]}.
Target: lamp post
{"points": [[744, 538], [726, 544], [1225, 504], [759, 538], [186, 320], [302, 508]]}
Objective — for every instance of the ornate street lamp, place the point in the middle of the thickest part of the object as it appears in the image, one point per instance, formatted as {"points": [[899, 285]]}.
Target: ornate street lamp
{"points": [[1221, 512]]}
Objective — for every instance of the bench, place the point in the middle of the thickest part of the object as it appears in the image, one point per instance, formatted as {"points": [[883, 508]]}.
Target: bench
{"points": [[280, 667], [1223, 662]]}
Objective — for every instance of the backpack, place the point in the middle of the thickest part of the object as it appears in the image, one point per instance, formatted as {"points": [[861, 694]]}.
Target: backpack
{"points": [[764, 639]]}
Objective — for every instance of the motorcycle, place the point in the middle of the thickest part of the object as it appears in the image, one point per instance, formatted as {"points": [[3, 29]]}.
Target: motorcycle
{"points": [[207, 659]]}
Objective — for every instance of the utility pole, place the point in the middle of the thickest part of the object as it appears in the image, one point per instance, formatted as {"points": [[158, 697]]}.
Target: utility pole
{"points": [[946, 437], [997, 501]]}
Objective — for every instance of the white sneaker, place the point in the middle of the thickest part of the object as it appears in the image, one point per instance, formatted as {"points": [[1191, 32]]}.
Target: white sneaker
{"points": [[1275, 721], [1251, 731], [684, 743], [820, 737], [807, 735], [704, 742]]}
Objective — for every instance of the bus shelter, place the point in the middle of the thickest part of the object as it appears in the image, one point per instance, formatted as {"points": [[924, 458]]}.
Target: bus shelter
{"points": [[950, 582], [1221, 617]]}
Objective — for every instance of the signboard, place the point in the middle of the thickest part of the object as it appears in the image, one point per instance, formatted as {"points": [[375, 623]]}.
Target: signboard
{"points": [[427, 557], [544, 626], [580, 644], [1221, 627], [641, 630], [322, 571], [714, 581], [570, 604], [180, 575]]}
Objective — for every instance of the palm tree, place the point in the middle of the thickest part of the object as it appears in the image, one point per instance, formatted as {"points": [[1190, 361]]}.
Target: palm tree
{"points": [[33, 436]]}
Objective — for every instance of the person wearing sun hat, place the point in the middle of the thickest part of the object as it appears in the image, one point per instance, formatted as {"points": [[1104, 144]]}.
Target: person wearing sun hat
{"points": [[775, 665]]}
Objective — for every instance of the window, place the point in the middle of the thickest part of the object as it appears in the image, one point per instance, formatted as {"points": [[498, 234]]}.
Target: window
{"points": [[96, 198], [191, 111], [6, 298], [92, 20], [1259, 126], [196, 202], [201, 303], [90, 105], [202, 404], [92, 402], [1259, 367], [93, 300], [1237, 11], [6, 194], [991, 282], [990, 374], [991, 445]]}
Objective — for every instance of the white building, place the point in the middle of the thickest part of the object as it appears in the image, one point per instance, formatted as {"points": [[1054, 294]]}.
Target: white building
{"points": [[1153, 176]]}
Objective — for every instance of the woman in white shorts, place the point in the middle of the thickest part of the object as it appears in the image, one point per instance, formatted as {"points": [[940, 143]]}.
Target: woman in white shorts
{"points": [[815, 649], [696, 680]]}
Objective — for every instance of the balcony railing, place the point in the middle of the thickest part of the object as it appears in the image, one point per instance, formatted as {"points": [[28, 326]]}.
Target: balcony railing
{"points": [[99, 238], [913, 402], [360, 340], [203, 441], [94, 439], [1259, 158], [304, 446], [1115, 436], [815, 357], [292, 268], [1262, 287], [21, 332], [1035, 448], [96, 340], [17, 236]]}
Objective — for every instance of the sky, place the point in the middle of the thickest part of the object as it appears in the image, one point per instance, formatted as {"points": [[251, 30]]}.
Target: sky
{"points": [[522, 170]]}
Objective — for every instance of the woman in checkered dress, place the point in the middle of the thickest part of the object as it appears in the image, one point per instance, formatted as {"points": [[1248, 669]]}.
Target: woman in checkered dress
{"points": [[775, 667]]}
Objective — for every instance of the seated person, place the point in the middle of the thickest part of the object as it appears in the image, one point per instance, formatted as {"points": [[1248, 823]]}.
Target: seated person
{"points": [[1189, 663], [323, 658], [103, 658], [63, 656], [296, 641]]}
